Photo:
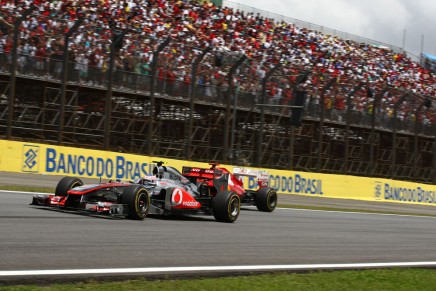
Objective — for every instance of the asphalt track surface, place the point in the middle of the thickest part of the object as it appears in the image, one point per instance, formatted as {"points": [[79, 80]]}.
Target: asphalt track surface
{"points": [[18, 179], [33, 238]]}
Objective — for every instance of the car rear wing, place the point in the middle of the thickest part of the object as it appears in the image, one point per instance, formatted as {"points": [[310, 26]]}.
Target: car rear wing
{"points": [[261, 176], [202, 173], [221, 179]]}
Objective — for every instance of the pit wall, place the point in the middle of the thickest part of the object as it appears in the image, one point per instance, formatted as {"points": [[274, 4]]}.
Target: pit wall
{"points": [[45, 159]]}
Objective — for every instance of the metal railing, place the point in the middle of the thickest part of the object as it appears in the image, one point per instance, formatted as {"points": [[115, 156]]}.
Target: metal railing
{"points": [[49, 69]]}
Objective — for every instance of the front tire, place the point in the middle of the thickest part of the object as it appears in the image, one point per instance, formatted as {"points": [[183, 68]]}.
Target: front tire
{"points": [[65, 184], [226, 207], [137, 200], [203, 189], [266, 199]]}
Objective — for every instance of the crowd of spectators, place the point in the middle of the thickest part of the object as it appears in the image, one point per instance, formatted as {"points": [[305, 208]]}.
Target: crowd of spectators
{"points": [[194, 25]]}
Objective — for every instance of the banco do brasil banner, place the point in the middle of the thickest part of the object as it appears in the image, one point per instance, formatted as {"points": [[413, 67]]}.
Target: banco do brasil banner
{"points": [[66, 161]]}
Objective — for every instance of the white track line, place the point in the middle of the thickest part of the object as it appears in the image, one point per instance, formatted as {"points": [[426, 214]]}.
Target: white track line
{"points": [[23, 192], [363, 212], [214, 268]]}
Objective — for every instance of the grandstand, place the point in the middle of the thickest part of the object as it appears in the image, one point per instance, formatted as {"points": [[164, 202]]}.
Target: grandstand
{"points": [[429, 62], [196, 81]]}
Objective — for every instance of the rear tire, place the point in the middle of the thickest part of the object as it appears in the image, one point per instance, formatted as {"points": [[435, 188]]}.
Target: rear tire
{"points": [[226, 207], [65, 184], [266, 199], [137, 200]]}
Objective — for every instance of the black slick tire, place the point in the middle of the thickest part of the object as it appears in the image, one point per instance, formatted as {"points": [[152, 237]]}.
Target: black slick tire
{"points": [[137, 200], [65, 184], [203, 189], [226, 207], [266, 199]]}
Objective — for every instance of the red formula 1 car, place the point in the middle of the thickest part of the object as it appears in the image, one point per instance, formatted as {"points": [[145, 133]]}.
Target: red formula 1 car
{"points": [[264, 198], [166, 192]]}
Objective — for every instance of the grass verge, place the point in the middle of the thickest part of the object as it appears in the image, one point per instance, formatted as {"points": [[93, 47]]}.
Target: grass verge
{"points": [[380, 279]]}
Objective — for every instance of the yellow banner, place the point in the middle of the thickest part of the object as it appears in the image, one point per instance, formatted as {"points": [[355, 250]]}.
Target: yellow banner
{"points": [[66, 161]]}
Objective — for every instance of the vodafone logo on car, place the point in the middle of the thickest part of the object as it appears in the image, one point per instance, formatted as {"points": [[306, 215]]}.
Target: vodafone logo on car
{"points": [[177, 197], [193, 204], [181, 199]]}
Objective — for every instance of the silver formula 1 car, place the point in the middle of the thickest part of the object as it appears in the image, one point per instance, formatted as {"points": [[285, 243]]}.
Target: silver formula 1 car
{"points": [[165, 192]]}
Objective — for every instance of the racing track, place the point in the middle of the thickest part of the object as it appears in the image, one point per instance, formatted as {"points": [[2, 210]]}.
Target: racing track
{"points": [[39, 239]]}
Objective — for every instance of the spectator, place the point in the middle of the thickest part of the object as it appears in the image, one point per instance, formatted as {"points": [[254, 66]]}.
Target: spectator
{"points": [[193, 26]]}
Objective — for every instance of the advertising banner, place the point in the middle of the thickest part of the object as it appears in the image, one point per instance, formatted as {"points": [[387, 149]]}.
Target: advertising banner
{"points": [[66, 161]]}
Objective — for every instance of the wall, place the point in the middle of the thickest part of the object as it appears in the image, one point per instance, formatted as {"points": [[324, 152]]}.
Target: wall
{"points": [[65, 161]]}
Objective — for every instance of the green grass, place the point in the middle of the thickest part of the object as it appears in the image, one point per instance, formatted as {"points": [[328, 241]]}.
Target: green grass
{"points": [[381, 279]]}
